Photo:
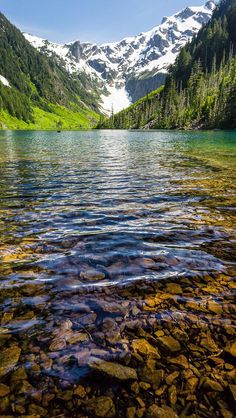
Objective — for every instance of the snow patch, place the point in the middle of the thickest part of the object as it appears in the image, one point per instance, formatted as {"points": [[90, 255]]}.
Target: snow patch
{"points": [[4, 81], [116, 101]]}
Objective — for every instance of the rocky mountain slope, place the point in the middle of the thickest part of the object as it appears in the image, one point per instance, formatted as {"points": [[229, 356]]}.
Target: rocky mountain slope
{"points": [[200, 89], [127, 70]]}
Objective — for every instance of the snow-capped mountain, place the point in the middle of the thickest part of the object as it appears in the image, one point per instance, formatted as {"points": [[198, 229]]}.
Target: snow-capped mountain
{"points": [[127, 70]]}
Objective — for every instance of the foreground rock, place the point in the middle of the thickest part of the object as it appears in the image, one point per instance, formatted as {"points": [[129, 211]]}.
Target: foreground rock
{"points": [[8, 359], [101, 407], [113, 370], [165, 412]]}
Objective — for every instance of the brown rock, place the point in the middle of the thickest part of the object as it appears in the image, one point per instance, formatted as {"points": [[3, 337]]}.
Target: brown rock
{"points": [[4, 390], [180, 361], [154, 377], [215, 307], [147, 263], [19, 374], [101, 407], [212, 385], [231, 349], [174, 289], [8, 359], [143, 347], [171, 378], [80, 391], [172, 392], [161, 412], [192, 383], [169, 343], [233, 391], [57, 345], [78, 337], [130, 412], [114, 370], [209, 344], [92, 275]]}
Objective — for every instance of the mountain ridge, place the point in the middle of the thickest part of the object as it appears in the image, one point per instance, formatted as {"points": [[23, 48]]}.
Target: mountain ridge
{"points": [[126, 70], [200, 89]]}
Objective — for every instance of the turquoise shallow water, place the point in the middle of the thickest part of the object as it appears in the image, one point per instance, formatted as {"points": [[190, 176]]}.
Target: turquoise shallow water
{"points": [[86, 217], [117, 194]]}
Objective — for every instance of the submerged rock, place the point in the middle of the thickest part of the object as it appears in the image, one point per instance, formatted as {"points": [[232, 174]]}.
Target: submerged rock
{"points": [[144, 347], [169, 343], [4, 390], [161, 412], [181, 360], [92, 275], [101, 407], [8, 359], [114, 370], [231, 349], [212, 385]]}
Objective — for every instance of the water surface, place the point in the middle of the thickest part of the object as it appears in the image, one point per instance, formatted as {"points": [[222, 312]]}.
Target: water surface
{"points": [[105, 224]]}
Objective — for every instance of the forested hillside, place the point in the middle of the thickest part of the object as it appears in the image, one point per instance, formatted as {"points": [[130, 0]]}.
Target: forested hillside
{"points": [[34, 86], [200, 91]]}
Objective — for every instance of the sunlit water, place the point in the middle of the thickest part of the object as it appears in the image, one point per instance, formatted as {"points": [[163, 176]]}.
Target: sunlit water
{"points": [[85, 215]]}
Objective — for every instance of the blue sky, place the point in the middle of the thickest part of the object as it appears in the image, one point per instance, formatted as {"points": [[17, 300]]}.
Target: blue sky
{"points": [[89, 20]]}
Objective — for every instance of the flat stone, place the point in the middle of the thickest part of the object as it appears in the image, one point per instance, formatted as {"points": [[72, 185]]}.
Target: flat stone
{"points": [[154, 377], [233, 391], [38, 410], [102, 407], [172, 377], [169, 343], [215, 307], [57, 345], [148, 263], [8, 359], [78, 337], [19, 374], [92, 275], [212, 385], [174, 289], [209, 344], [80, 391], [144, 385], [172, 392], [155, 411], [232, 349], [131, 412], [192, 384], [180, 361], [114, 370], [4, 390], [144, 347], [23, 387]]}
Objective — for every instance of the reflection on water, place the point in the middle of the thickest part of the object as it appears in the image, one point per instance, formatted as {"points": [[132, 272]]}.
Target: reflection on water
{"points": [[117, 261]]}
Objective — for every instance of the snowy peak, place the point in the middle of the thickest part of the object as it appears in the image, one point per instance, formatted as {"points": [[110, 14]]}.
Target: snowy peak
{"points": [[127, 70]]}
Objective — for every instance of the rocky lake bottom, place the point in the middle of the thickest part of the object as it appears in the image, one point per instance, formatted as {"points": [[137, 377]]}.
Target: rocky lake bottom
{"points": [[117, 274]]}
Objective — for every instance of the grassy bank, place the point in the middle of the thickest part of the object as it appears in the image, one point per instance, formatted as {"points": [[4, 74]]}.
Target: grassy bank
{"points": [[82, 118]]}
